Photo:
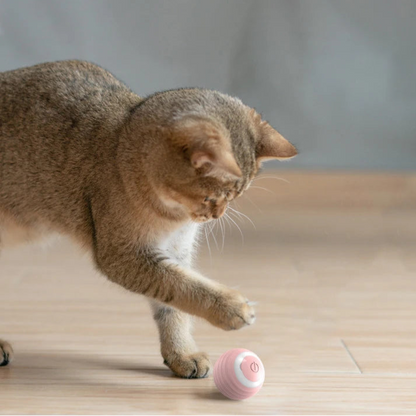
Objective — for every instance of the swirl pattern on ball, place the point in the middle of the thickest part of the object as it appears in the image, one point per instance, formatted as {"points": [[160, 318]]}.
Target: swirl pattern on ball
{"points": [[239, 374]]}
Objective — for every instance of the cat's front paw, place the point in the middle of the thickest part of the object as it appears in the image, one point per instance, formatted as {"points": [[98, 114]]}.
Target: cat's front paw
{"points": [[195, 365], [232, 311]]}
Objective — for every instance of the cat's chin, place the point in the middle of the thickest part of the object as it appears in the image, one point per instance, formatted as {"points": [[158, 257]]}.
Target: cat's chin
{"points": [[201, 218]]}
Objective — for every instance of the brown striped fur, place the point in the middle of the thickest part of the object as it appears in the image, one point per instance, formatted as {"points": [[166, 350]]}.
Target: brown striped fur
{"points": [[131, 179]]}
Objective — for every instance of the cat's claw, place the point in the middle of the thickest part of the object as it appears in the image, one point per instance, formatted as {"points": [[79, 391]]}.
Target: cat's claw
{"points": [[232, 311]]}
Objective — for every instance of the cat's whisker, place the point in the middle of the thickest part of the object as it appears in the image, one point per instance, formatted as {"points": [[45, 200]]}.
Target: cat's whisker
{"points": [[223, 221], [213, 234], [252, 203], [207, 228], [210, 227], [208, 245], [239, 229], [236, 204], [264, 189], [235, 210], [240, 214], [228, 221], [270, 177], [235, 217], [252, 303], [223, 233]]}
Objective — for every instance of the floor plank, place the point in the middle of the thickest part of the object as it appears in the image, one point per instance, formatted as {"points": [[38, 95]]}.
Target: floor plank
{"points": [[331, 262]]}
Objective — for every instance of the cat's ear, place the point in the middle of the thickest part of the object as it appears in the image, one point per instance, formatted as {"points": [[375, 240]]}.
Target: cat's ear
{"points": [[271, 145], [216, 163], [207, 147]]}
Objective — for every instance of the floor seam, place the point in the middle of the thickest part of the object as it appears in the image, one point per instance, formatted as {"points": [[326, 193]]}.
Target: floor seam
{"points": [[350, 355]]}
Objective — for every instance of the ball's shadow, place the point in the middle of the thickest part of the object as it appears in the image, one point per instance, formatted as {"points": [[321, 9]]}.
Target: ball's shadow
{"points": [[213, 395]]}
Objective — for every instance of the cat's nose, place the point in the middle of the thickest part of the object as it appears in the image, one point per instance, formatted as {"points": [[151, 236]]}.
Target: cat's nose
{"points": [[219, 212]]}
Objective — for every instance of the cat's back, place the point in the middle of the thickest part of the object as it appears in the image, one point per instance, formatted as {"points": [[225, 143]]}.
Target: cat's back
{"points": [[68, 88], [58, 122]]}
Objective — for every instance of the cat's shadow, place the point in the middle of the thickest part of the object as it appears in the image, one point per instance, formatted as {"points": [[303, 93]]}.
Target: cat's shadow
{"points": [[78, 367], [109, 373], [84, 369]]}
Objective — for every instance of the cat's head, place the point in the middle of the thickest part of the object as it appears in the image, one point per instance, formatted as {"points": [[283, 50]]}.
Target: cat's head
{"points": [[205, 149]]}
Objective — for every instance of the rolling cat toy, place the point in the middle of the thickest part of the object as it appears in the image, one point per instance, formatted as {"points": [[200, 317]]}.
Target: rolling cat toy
{"points": [[239, 374]]}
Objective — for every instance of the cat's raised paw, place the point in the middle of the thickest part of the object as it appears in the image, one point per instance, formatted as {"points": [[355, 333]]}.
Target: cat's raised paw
{"points": [[6, 353], [232, 311], [195, 365]]}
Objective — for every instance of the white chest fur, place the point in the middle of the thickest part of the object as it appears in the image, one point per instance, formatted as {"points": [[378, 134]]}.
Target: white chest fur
{"points": [[180, 245]]}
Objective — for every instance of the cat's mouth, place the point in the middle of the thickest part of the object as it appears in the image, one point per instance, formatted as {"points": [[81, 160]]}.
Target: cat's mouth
{"points": [[202, 218], [205, 215]]}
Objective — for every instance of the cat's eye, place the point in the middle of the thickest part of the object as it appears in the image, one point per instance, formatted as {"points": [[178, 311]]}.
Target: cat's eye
{"points": [[228, 195], [206, 199]]}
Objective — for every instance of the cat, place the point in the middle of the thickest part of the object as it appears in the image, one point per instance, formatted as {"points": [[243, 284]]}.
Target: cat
{"points": [[133, 180]]}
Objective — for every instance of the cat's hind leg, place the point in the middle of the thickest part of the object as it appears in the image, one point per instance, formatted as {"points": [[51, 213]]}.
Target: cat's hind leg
{"points": [[178, 347], [6, 353]]}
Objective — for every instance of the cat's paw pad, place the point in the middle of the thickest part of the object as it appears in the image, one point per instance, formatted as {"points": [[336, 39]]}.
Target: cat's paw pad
{"points": [[233, 311], [195, 365], [6, 353]]}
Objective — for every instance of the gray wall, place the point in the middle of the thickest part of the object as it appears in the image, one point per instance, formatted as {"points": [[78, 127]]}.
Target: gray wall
{"points": [[337, 77]]}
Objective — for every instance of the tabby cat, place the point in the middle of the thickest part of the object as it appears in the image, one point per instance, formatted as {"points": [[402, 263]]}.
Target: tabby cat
{"points": [[132, 180]]}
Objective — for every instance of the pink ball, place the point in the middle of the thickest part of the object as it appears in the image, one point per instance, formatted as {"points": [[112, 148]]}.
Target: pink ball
{"points": [[239, 374]]}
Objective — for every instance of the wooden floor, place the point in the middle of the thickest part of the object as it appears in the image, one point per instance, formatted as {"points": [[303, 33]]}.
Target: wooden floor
{"points": [[332, 264]]}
